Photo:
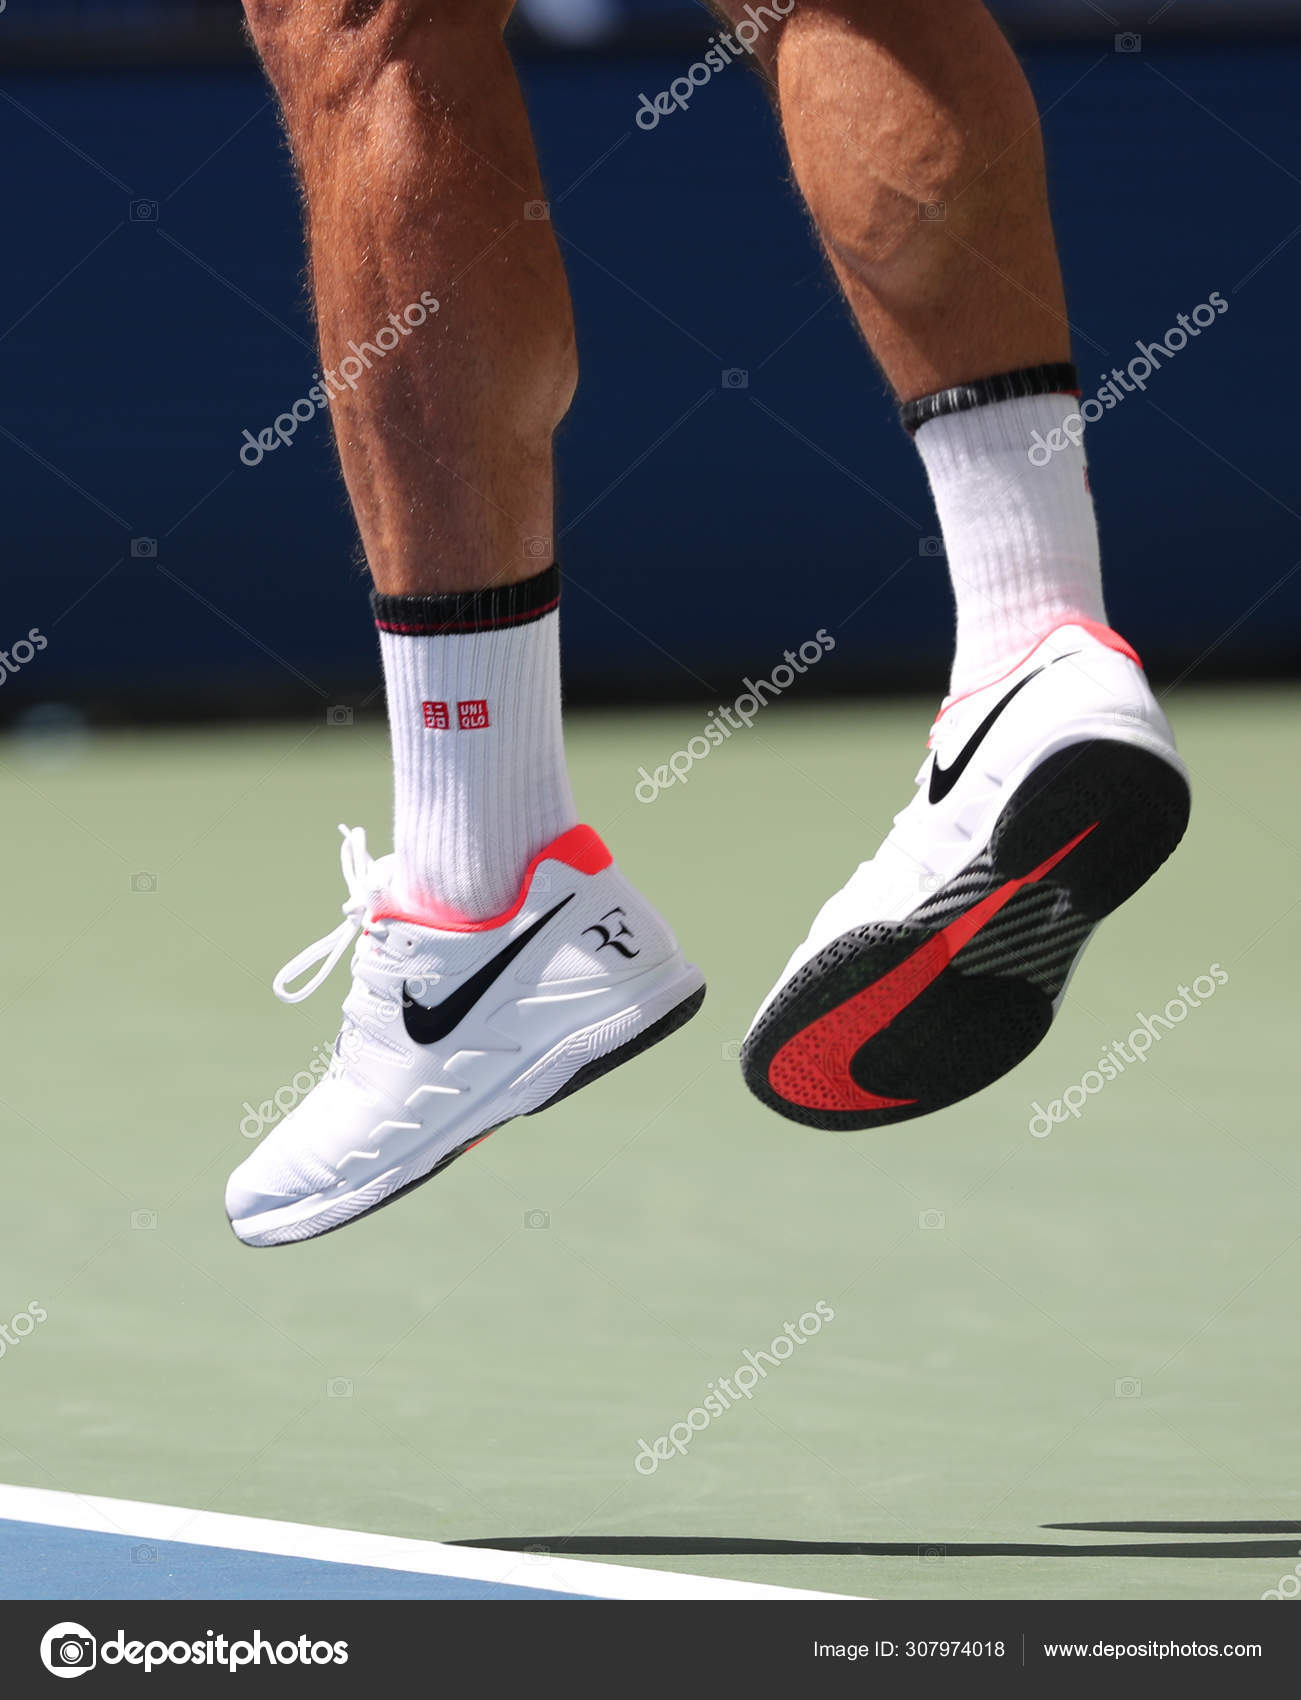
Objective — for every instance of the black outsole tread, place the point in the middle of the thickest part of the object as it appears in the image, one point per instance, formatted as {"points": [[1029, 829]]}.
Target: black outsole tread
{"points": [[994, 1003]]}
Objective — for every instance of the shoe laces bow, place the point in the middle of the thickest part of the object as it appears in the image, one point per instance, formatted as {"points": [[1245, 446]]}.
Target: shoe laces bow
{"points": [[357, 864]]}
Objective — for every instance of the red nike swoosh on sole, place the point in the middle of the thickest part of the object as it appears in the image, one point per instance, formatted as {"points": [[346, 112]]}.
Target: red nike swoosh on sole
{"points": [[812, 1069]]}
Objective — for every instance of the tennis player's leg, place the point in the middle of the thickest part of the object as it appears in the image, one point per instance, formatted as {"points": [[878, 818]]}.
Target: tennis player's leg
{"points": [[1051, 790], [503, 960]]}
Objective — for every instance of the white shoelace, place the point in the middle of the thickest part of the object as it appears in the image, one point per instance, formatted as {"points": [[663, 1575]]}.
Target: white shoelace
{"points": [[357, 865]]}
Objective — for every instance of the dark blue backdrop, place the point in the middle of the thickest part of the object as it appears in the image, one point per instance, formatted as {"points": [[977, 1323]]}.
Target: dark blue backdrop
{"points": [[705, 528]]}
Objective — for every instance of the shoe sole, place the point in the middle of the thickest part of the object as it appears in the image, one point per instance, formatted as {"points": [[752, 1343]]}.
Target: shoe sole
{"points": [[334, 1211], [1081, 833]]}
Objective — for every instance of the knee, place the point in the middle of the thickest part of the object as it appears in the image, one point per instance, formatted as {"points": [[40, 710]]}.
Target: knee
{"points": [[331, 51]]}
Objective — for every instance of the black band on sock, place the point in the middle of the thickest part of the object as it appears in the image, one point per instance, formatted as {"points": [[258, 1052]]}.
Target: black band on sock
{"points": [[1061, 379], [469, 610]]}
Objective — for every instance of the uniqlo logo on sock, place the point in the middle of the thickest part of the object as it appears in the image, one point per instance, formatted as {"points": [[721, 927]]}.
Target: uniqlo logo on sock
{"points": [[437, 718], [471, 715]]}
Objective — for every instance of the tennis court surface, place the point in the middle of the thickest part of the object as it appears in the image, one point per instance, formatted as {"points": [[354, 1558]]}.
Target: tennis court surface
{"points": [[1055, 1363]]}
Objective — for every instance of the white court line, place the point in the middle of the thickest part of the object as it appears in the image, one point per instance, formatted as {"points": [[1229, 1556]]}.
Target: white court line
{"points": [[142, 1520]]}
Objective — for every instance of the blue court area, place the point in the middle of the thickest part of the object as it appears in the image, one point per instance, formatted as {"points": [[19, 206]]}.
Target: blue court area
{"points": [[38, 1562], [56, 1544]]}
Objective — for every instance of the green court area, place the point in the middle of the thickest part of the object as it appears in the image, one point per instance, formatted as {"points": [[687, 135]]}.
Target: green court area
{"points": [[1093, 1327]]}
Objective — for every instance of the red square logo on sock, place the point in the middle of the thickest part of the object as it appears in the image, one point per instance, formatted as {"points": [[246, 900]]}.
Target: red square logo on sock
{"points": [[437, 718], [471, 715]]}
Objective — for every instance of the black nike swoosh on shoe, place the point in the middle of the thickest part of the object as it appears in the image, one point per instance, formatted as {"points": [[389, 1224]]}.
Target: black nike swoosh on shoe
{"points": [[425, 1026], [943, 779]]}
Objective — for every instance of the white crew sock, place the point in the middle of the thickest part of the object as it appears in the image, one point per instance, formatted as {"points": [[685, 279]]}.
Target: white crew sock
{"points": [[1021, 537], [479, 777]]}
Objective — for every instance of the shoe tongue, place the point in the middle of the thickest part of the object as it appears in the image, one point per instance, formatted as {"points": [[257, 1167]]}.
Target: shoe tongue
{"points": [[381, 894]]}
